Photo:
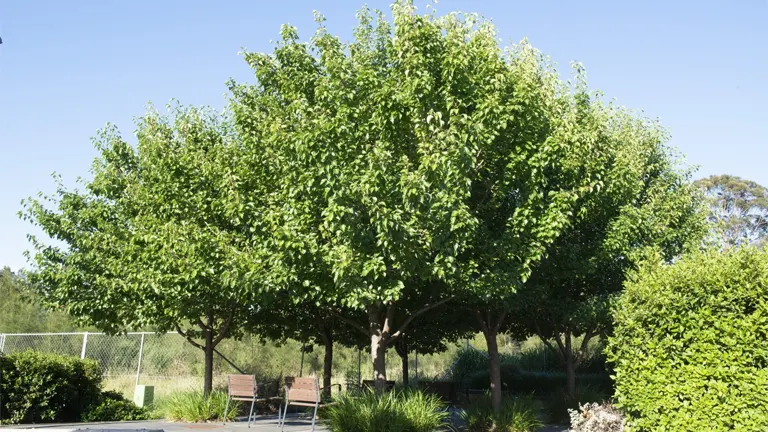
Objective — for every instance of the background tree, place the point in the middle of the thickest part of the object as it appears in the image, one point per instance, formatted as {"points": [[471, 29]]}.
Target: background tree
{"points": [[738, 210], [646, 202], [21, 311], [159, 237]]}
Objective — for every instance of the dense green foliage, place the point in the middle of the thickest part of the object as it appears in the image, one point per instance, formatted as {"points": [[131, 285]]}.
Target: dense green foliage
{"points": [[159, 235], [689, 344], [518, 414], [394, 411], [113, 406], [21, 311], [194, 406], [738, 210], [39, 387]]}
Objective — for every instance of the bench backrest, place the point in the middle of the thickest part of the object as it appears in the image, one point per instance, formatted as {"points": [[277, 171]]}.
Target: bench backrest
{"points": [[242, 385], [302, 389]]}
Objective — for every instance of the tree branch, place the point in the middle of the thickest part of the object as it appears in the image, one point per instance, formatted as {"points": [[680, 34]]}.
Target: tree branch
{"points": [[414, 315], [188, 338], [546, 342], [481, 321], [352, 323], [222, 333], [501, 320], [584, 343], [388, 320]]}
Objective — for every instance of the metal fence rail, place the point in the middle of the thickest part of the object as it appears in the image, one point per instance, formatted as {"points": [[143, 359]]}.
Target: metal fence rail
{"points": [[170, 363]]}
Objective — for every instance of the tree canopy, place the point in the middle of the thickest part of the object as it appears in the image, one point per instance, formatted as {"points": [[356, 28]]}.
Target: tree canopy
{"points": [[738, 210], [159, 237]]}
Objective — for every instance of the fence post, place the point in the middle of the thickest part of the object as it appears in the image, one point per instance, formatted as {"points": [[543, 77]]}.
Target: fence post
{"points": [[141, 352], [85, 344], [2, 343]]}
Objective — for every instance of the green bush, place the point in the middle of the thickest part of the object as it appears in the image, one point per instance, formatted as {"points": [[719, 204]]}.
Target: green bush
{"points": [[38, 387], [112, 406], [395, 411], [517, 414], [539, 383], [690, 347], [192, 406]]}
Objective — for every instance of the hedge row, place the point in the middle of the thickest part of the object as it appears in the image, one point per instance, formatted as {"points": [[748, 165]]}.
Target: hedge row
{"points": [[47, 388]]}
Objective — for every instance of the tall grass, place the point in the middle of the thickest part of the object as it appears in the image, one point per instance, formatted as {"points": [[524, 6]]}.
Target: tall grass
{"points": [[395, 411], [518, 414], [192, 406]]}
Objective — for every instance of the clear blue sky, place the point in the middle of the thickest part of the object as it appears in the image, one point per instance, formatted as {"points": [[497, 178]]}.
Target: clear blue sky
{"points": [[69, 67]]}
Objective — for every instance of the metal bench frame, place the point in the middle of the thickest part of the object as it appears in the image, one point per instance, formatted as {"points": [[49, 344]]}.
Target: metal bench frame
{"points": [[242, 388]]}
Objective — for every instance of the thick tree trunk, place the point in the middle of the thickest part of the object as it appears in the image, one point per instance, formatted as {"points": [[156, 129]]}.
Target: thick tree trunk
{"points": [[327, 362], [378, 355], [570, 373], [208, 349], [494, 366]]}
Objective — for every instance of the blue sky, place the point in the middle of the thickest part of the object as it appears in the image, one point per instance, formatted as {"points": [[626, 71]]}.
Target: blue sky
{"points": [[68, 68]]}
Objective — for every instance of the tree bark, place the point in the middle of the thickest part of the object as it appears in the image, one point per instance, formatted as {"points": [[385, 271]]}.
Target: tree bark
{"points": [[402, 350], [208, 349], [570, 367], [327, 361], [490, 329]]}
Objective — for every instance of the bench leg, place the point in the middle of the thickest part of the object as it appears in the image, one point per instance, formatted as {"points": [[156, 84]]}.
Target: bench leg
{"points": [[314, 416], [250, 414]]}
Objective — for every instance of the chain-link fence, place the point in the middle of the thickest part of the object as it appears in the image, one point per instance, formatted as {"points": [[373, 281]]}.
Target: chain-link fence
{"points": [[170, 363]]}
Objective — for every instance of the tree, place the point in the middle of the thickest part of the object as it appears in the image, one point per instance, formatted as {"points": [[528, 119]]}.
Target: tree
{"points": [[646, 203], [159, 237], [418, 152], [738, 210], [20, 309]]}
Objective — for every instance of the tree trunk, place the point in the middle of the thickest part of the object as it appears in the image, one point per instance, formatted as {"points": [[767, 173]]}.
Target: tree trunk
{"points": [[378, 354], [570, 366], [327, 361], [494, 366], [401, 346], [208, 349]]}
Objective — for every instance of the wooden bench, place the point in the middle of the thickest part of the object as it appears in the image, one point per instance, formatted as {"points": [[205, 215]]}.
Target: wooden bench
{"points": [[241, 388], [300, 392]]}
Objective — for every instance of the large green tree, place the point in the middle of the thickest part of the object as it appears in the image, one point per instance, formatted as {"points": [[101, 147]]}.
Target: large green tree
{"points": [[738, 210], [161, 236], [418, 152], [646, 205]]}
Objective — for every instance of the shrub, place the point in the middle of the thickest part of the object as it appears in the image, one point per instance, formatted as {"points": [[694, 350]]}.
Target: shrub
{"points": [[516, 415], [192, 406], [395, 411], [112, 406], [38, 387], [594, 417], [540, 383], [689, 344]]}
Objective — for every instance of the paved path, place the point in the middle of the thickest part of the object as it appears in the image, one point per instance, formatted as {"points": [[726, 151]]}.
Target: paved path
{"points": [[262, 424]]}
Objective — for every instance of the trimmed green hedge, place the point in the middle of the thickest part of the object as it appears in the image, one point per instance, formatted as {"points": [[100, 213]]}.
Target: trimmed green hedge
{"points": [[690, 344], [47, 388], [540, 384], [38, 387]]}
